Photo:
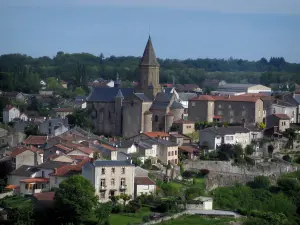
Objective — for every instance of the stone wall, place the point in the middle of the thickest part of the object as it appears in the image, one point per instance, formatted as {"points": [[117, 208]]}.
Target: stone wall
{"points": [[227, 167], [219, 179], [3, 195]]}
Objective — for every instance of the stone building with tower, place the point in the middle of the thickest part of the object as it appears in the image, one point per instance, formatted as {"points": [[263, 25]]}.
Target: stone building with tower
{"points": [[127, 112]]}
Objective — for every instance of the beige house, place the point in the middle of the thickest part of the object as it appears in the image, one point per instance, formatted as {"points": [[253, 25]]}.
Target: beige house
{"points": [[282, 121], [231, 109], [110, 177], [184, 126], [30, 156], [167, 151]]}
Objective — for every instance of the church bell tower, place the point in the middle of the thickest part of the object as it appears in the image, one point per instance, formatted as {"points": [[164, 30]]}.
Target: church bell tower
{"points": [[149, 72]]}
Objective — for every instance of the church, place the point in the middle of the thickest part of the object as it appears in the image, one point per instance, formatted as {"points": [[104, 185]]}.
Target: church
{"points": [[126, 112]]}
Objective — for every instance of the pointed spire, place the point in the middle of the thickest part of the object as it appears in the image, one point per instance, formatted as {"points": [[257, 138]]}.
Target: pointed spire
{"points": [[119, 94], [149, 58]]}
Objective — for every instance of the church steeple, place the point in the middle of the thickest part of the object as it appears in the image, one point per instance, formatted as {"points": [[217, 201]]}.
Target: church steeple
{"points": [[149, 71], [149, 58]]}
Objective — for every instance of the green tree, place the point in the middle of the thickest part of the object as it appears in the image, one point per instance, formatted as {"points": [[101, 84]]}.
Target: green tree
{"points": [[125, 198], [102, 212], [79, 91], [31, 129], [260, 182], [53, 84], [75, 200], [249, 150]]}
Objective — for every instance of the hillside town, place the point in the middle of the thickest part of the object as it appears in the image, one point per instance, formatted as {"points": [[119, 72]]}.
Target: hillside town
{"points": [[139, 141]]}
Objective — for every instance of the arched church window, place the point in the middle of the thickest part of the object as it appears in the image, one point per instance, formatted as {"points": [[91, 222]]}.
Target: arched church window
{"points": [[156, 118]]}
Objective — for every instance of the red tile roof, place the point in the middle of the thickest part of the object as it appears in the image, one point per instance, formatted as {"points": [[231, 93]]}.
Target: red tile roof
{"points": [[35, 180], [143, 181], [44, 196], [282, 116], [11, 186], [156, 134], [68, 170], [63, 109], [22, 149], [86, 150], [63, 147], [239, 98], [35, 140], [182, 121], [109, 147]]}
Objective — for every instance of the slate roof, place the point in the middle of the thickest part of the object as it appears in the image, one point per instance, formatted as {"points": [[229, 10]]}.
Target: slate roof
{"points": [[185, 96], [149, 58], [107, 94], [176, 105], [142, 97], [126, 143], [25, 171], [161, 100], [102, 163], [227, 130], [167, 143]]}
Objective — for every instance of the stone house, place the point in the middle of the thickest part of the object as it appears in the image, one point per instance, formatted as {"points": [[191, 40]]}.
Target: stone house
{"points": [[215, 136], [30, 156], [180, 139], [282, 121], [231, 109], [283, 107], [10, 113], [53, 126], [106, 151], [12, 139], [110, 177], [62, 112], [184, 126], [167, 152]]}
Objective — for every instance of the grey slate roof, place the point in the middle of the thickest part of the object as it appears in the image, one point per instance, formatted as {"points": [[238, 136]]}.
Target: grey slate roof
{"points": [[142, 97], [119, 94], [149, 58], [167, 143], [227, 130], [144, 144], [168, 90], [25, 171], [185, 96], [161, 100], [103, 163], [176, 105], [107, 94], [51, 164], [235, 87], [126, 143]]}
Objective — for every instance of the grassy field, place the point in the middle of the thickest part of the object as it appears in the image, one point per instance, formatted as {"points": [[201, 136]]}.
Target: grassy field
{"points": [[132, 219], [196, 220]]}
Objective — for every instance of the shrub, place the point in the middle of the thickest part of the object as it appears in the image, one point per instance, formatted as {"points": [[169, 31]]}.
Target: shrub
{"points": [[260, 182], [146, 219], [118, 208]]}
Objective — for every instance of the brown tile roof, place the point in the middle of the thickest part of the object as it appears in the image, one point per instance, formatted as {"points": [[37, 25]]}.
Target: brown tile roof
{"points": [[109, 147], [35, 140], [156, 134], [282, 116], [188, 148], [64, 148], [86, 150], [22, 149], [68, 170], [143, 181], [35, 180], [239, 98], [63, 109], [11, 186], [182, 121], [44, 196]]}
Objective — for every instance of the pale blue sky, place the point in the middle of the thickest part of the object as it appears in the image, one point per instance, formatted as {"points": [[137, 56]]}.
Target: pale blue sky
{"points": [[179, 28]]}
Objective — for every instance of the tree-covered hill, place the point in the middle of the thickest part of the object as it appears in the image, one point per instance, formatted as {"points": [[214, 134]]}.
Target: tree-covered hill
{"points": [[21, 72]]}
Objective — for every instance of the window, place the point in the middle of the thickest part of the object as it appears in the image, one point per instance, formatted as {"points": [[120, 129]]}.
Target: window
{"points": [[56, 180], [112, 182], [102, 194], [243, 113], [102, 183], [103, 171], [193, 104], [229, 138], [50, 124], [231, 113], [123, 170], [156, 118], [220, 113], [113, 170], [219, 106], [169, 153], [175, 152], [175, 161], [274, 110], [49, 130], [172, 153], [43, 173], [123, 183]]}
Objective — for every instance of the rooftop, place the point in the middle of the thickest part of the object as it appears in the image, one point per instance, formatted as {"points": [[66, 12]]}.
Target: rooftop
{"points": [[35, 180], [182, 121], [239, 98], [111, 163], [22, 149], [282, 116], [143, 181], [149, 58], [107, 94], [156, 134], [227, 130], [35, 140]]}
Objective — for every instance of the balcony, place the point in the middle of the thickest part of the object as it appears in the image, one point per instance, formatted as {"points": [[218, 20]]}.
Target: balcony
{"points": [[102, 188], [123, 187]]}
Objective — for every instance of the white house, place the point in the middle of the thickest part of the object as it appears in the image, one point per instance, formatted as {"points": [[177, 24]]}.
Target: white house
{"points": [[142, 183], [24, 117], [215, 136], [10, 113], [110, 177]]}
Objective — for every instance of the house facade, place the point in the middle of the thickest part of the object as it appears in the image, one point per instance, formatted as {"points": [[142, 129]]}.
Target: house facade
{"points": [[215, 136], [10, 113], [110, 177], [53, 126], [282, 121]]}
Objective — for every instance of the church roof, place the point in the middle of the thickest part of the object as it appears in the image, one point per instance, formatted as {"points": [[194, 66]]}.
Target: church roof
{"points": [[107, 94], [119, 94], [142, 97], [149, 58]]}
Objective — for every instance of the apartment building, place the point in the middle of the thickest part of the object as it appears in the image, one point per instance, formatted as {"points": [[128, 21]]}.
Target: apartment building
{"points": [[231, 109], [110, 177]]}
